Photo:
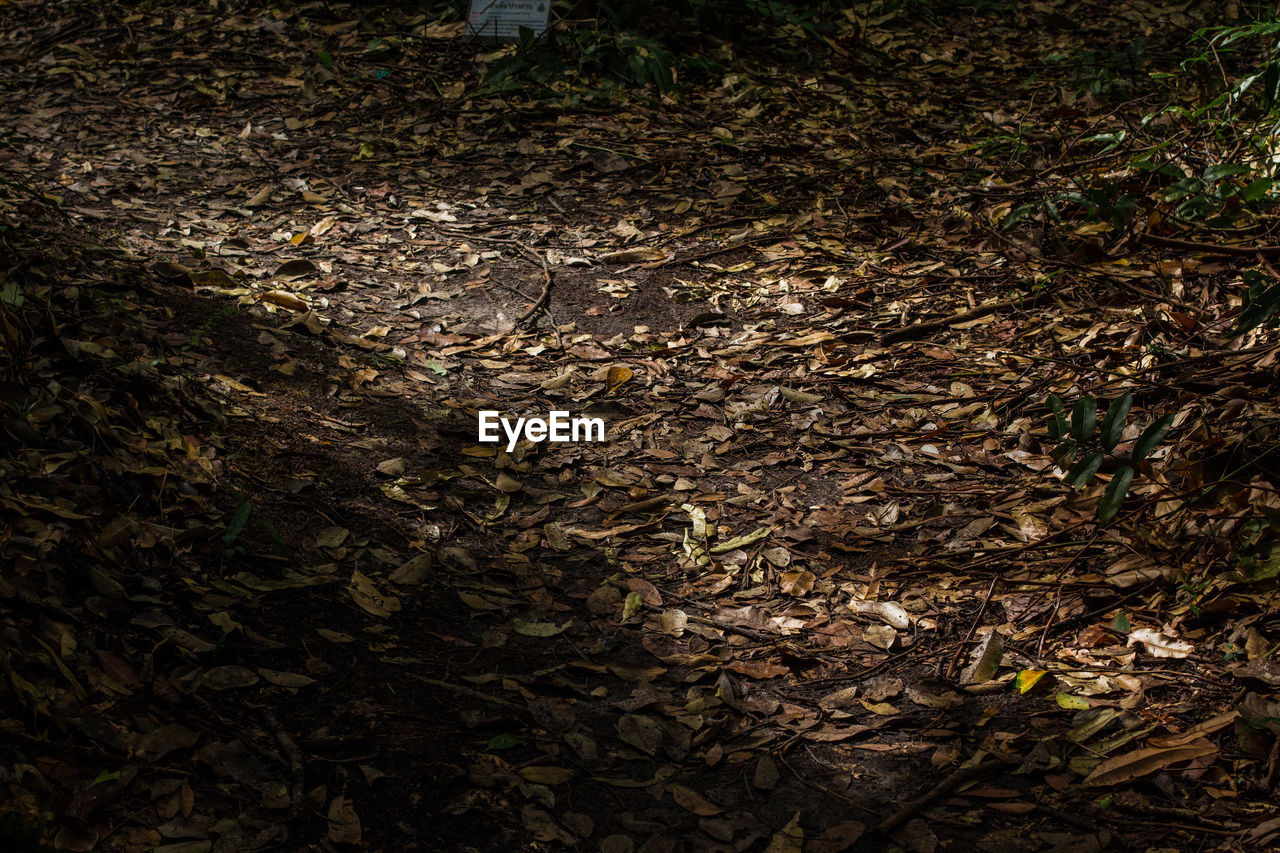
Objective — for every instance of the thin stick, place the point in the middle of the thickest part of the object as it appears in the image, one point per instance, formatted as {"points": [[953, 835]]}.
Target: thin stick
{"points": [[547, 281], [973, 767], [1210, 248], [920, 330], [467, 691], [973, 628]]}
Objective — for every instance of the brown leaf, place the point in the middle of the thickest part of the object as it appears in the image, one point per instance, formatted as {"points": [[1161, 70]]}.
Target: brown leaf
{"points": [[413, 571], [344, 823], [797, 583], [364, 593], [690, 800], [838, 838], [640, 731], [1141, 762], [542, 774], [758, 668]]}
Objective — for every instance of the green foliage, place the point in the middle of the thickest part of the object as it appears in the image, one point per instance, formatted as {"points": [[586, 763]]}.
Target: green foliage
{"points": [[1084, 444], [233, 549], [1258, 552], [651, 44], [1107, 202], [1108, 74], [619, 57], [1260, 303], [215, 320]]}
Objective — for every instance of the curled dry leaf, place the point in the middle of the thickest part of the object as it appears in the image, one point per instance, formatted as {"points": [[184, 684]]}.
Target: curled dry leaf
{"points": [[285, 299], [673, 622], [891, 613], [1160, 645], [986, 660], [344, 823]]}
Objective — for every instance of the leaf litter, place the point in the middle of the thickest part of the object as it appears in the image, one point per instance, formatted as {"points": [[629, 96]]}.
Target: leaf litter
{"points": [[267, 588]]}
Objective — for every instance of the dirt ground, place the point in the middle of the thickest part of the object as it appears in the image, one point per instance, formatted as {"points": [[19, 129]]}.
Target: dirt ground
{"points": [[818, 590]]}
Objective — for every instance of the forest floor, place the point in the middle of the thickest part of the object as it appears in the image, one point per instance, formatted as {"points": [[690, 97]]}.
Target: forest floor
{"points": [[820, 588]]}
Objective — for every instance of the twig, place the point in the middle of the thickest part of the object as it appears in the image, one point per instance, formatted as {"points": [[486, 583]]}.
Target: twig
{"points": [[468, 692], [973, 767], [973, 628], [920, 330], [547, 281], [804, 779], [1209, 248]]}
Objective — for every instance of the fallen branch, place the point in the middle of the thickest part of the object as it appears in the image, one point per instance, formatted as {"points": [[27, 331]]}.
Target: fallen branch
{"points": [[919, 330], [468, 692], [973, 767], [1209, 248]]}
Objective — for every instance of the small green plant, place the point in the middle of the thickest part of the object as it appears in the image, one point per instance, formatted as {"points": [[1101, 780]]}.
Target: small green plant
{"points": [[1086, 443], [195, 341], [1219, 190], [650, 44], [1106, 202], [233, 550], [1258, 552], [1260, 303], [1192, 591]]}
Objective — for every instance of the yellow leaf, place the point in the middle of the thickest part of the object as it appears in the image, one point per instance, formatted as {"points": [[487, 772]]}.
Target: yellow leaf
{"points": [[1027, 678], [1071, 703], [618, 374], [285, 300]]}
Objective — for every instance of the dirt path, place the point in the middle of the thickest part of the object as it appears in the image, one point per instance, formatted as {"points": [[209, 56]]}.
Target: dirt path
{"points": [[320, 612]]}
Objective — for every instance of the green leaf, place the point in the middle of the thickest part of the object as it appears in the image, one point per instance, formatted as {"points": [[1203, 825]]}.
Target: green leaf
{"points": [[1064, 453], [506, 740], [237, 523], [1271, 84], [1084, 416], [1258, 308], [326, 58], [1150, 438], [1058, 423], [1218, 171], [1084, 470], [1113, 421], [107, 776], [1115, 494], [1257, 190]]}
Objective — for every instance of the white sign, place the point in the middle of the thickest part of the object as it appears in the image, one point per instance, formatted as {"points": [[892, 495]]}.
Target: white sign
{"points": [[502, 19]]}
